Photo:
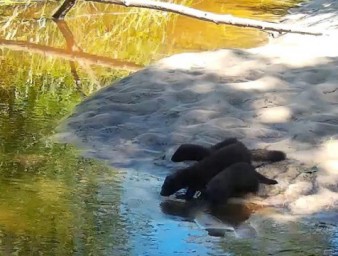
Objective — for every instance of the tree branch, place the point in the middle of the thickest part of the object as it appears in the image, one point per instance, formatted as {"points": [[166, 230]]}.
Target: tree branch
{"points": [[208, 16]]}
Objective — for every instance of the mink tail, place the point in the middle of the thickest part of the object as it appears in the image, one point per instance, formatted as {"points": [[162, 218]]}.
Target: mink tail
{"points": [[267, 155]]}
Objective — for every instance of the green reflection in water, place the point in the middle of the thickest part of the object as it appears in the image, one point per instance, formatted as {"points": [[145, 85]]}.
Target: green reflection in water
{"points": [[56, 214], [48, 195], [49, 200]]}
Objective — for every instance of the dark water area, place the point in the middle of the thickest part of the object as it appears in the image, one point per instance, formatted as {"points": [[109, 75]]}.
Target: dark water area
{"points": [[54, 201]]}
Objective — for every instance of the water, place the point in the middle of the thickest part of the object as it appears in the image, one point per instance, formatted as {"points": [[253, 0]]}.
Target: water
{"points": [[53, 201]]}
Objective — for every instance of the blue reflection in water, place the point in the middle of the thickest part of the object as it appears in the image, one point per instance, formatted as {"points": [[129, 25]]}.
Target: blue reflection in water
{"points": [[334, 243], [152, 232], [173, 238], [180, 238]]}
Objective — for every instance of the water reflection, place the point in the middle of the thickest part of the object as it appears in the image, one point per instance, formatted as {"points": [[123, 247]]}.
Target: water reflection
{"points": [[56, 212]]}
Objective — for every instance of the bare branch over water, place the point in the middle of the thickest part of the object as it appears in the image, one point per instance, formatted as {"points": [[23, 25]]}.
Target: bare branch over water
{"points": [[197, 14]]}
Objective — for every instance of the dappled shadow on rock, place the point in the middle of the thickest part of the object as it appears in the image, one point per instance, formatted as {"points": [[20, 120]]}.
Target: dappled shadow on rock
{"points": [[205, 97]]}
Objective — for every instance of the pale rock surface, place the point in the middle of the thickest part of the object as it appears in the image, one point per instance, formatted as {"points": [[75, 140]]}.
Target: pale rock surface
{"points": [[283, 95]]}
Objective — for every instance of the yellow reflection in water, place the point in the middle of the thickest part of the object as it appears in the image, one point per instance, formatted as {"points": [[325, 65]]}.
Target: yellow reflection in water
{"points": [[34, 206], [142, 35], [187, 34]]}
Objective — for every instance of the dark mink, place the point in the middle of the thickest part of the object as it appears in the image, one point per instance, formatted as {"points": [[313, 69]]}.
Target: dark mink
{"points": [[236, 180], [196, 176], [194, 152]]}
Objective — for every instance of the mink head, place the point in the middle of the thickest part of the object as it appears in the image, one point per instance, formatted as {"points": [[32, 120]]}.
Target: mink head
{"points": [[170, 186]]}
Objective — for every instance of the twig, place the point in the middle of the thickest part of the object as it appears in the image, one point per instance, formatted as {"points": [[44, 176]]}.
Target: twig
{"points": [[64, 54], [73, 47]]}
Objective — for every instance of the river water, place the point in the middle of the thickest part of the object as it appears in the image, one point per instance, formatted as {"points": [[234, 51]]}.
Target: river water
{"points": [[53, 200]]}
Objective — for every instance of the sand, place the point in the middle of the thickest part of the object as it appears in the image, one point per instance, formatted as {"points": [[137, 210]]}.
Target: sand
{"points": [[283, 95]]}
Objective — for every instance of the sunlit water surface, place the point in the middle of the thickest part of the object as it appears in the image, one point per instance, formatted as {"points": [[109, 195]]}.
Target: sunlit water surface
{"points": [[55, 202]]}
